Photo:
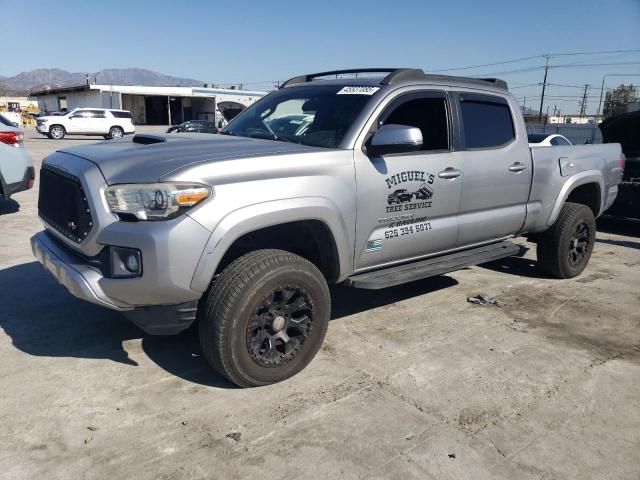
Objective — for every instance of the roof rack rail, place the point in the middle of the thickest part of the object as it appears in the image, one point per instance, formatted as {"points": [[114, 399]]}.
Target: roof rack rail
{"points": [[307, 78], [395, 75], [496, 82]]}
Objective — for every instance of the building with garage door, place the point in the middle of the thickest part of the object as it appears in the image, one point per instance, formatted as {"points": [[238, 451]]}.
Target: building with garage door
{"points": [[151, 105]]}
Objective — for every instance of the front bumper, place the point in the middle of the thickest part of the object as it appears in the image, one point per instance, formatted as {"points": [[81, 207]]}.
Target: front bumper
{"points": [[42, 128], [87, 283], [71, 271]]}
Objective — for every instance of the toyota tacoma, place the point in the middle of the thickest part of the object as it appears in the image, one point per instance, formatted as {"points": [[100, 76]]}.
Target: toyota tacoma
{"points": [[243, 231]]}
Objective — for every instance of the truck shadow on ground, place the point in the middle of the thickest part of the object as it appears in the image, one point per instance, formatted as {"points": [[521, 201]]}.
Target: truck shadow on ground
{"points": [[9, 206], [519, 266], [44, 320]]}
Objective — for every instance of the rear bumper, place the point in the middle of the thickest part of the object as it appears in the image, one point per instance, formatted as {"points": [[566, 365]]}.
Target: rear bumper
{"points": [[84, 282], [6, 190]]}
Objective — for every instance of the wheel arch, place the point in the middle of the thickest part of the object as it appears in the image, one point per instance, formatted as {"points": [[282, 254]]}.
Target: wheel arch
{"points": [[310, 227], [586, 188]]}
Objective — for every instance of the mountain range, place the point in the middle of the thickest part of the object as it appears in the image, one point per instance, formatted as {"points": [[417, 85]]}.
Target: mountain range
{"points": [[55, 77]]}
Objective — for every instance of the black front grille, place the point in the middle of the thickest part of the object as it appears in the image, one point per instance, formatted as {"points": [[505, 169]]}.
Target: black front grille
{"points": [[63, 204]]}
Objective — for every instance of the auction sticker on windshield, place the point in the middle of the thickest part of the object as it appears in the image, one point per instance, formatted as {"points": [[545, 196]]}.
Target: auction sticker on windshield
{"points": [[358, 90]]}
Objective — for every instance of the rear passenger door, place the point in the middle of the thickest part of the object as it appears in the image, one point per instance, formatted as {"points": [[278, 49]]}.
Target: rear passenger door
{"points": [[497, 168], [97, 122]]}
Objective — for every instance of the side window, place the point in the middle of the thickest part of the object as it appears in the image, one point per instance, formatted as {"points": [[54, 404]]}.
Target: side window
{"points": [[97, 113], [427, 114], [559, 141], [487, 121], [81, 114]]}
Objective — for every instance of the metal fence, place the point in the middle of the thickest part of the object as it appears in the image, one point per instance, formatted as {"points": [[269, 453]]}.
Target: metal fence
{"points": [[576, 134]]}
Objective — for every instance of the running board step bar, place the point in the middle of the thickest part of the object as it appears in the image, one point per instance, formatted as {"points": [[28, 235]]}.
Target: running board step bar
{"points": [[431, 267]]}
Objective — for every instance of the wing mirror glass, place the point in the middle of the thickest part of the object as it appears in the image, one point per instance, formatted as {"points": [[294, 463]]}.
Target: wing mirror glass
{"points": [[395, 139]]}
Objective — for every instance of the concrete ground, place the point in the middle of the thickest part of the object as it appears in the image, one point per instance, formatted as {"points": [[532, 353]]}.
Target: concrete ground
{"points": [[412, 381]]}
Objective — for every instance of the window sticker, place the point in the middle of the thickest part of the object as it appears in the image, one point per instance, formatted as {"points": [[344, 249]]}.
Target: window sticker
{"points": [[358, 90]]}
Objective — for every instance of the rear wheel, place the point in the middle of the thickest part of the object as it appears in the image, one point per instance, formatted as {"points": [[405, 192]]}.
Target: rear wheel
{"points": [[57, 132], [264, 318], [116, 132], [564, 250]]}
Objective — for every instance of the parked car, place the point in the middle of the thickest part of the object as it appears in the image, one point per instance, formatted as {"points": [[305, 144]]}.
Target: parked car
{"points": [[13, 118], [108, 123], [201, 126], [625, 129], [244, 230], [16, 167], [547, 140]]}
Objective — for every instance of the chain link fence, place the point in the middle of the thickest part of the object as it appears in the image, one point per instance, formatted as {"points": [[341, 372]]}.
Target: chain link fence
{"points": [[576, 134]]}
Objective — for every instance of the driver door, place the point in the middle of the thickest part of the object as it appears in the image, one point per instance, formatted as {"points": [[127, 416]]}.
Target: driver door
{"points": [[78, 122], [408, 202]]}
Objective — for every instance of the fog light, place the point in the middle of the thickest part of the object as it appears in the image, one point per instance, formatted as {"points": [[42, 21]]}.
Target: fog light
{"points": [[132, 264], [125, 262]]}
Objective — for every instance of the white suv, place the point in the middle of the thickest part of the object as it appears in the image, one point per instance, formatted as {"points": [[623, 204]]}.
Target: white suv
{"points": [[87, 121]]}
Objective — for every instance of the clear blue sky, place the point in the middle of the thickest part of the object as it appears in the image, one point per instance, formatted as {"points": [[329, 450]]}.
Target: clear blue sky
{"points": [[255, 41]]}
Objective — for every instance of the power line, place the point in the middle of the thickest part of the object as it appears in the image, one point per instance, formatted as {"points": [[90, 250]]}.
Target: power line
{"points": [[489, 64], [594, 53], [522, 59], [573, 65]]}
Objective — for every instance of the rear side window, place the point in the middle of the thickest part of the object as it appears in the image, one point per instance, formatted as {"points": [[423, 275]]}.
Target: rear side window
{"points": [[487, 121], [121, 114]]}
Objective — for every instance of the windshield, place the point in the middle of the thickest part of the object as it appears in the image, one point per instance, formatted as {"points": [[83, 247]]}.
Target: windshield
{"points": [[317, 115]]}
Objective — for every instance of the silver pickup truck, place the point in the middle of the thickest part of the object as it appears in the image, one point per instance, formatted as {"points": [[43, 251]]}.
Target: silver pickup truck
{"points": [[389, 177]]}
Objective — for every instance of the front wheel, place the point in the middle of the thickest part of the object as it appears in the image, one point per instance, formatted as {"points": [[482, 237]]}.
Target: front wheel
{"points": [[264, 317], [564, 250], [57, 132]]}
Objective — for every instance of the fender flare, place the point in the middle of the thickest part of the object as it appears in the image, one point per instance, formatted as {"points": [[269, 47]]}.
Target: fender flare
{"points": [[254, 217], [582, 178]]}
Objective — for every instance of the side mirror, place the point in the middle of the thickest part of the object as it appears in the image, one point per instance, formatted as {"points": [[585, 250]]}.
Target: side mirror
{"points": [[395, 139]]}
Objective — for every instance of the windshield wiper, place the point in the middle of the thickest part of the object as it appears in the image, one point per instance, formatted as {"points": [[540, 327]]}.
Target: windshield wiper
{"points": [[227, 132]]}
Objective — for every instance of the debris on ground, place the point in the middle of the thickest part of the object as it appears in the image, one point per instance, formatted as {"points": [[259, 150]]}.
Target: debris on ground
{"points": [[452, 455], [234, 435], [483, 299], [88, 440]]}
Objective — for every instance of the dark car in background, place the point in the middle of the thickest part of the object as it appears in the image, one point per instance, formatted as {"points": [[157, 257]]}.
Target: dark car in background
{"points": [[194, 126], [625, 130]]}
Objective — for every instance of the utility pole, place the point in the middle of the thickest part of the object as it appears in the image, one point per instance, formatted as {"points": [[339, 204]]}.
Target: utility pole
{"points": [[583, 103], [544, 85]]}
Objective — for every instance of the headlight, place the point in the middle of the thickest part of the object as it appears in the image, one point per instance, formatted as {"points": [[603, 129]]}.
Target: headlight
{"points": [[155, 201]]}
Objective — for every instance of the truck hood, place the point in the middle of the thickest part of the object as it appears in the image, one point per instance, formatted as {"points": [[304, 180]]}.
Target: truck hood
{"points": [[148, 158]]}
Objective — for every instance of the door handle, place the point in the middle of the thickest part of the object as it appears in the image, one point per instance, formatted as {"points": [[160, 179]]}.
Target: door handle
{"points": [[449, 173], [517, 167]]}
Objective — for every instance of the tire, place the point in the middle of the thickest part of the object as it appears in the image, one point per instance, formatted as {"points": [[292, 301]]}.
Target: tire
{"points": [[264, 317], [116, 132], [564, 250], [57, 132]]}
